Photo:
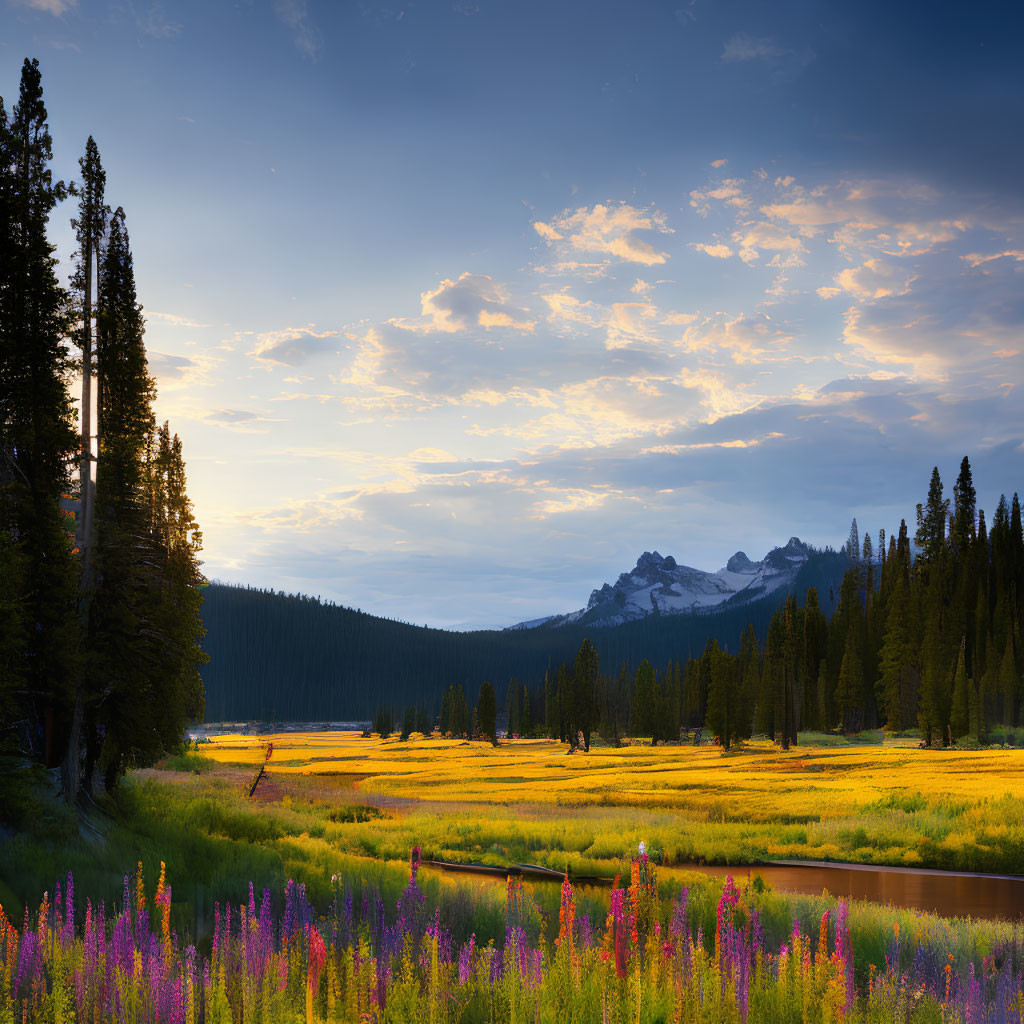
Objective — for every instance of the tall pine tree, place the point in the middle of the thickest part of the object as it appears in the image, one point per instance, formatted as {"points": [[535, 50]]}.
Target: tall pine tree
{"points": [[37, 439]]}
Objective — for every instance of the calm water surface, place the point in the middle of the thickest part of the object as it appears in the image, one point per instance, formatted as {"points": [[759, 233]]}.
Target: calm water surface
{"points": [[938, 892]]}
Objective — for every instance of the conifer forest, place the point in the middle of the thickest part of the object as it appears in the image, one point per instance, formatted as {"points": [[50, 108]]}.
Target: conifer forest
{"points": [[99, 572]]}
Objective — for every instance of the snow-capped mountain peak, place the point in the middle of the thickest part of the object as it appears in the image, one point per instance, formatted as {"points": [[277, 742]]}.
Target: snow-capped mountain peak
{"points": [[658, 585]]}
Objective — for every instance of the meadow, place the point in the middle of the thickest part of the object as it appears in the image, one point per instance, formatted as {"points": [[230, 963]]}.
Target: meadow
{"points": [[338, 815], [881, 803]]}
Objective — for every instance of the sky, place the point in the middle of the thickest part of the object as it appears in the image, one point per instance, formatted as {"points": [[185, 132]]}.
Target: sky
{"points": [[458, 307]]}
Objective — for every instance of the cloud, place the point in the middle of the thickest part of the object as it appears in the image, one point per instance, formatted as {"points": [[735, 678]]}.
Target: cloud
{"points": [[179, 373], [570, 501], [976, 259], [754, 236], [784, 62], [876, 279], [719, 251], [470, 300], [607, 229], [743, 46], [294, 14], [241, 421], [231, 416], [293, 346], [746, 339], [173, 319], [168, 368], [55, 7], [719, 163], [728, 190]]}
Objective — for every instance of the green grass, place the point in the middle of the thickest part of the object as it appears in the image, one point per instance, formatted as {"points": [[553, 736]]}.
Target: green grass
{"points": [[189, 762]]}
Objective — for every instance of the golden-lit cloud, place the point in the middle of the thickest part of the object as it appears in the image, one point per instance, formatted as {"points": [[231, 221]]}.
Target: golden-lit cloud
{"points": [[718, 250], [469, 300], [875, 279], [174, 372], [754, 236], [729, 191], [609, 229]]}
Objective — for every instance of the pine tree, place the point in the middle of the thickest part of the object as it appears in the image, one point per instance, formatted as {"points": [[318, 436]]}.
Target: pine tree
{"points": [[853, 544], [37, 438], [960, 712], [850, 690], [408, 723], [773, 680], [748, 672], [813, 647], [899, 672], [563, 688], [934, 698], [1009, 683], [550, 706], [722, 696], [641, 721], [964, 509], [444, 724], [141, 715], [123, 667], [423, 723], [586, 669], [89, 228], [487, 711], [931, 524]]}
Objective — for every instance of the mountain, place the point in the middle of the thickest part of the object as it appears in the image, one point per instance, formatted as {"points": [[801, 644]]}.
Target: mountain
{"points": [[658, 585], [288, 657]]}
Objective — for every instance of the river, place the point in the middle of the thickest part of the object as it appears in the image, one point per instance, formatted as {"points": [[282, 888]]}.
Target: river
{"points": [[950, 894]]}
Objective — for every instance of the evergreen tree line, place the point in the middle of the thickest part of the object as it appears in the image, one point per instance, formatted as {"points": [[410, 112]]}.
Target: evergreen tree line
{"points": [[275, 656], [99, 612]]}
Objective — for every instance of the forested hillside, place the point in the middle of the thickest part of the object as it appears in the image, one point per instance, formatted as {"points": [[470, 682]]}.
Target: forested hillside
{"points": [[281, 656]]}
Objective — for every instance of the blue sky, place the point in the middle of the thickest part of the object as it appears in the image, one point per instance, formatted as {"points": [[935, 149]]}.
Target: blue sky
{"points": [[458, 307]]}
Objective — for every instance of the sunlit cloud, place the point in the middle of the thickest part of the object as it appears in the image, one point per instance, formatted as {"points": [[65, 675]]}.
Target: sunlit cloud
{"points": [[173, 319], [293, 346], [718, 250], [752, 237], [876, 279], [609, 229], [730, 191], [181, 373], [242, 421], [470, 300]]}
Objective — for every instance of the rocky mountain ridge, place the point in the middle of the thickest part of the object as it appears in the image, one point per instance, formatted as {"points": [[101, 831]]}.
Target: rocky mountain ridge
{"points": [[658, 585]]}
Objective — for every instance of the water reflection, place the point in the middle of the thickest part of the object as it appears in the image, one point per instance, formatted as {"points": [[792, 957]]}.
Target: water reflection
{"points": [[937, 892]]}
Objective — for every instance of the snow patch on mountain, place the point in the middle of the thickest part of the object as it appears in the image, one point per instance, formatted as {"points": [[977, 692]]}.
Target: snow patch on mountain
{"points": [[658, 585]]}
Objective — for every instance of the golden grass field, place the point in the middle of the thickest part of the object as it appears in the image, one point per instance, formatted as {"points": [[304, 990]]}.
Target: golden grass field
{"points": [[891, 803]]}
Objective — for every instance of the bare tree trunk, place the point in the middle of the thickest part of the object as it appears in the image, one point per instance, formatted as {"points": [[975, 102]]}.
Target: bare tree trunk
{"points": [[90, 229]]}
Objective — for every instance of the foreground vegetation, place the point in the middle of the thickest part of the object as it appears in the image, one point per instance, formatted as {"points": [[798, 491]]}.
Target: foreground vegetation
{"points": [[650, 959]]}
